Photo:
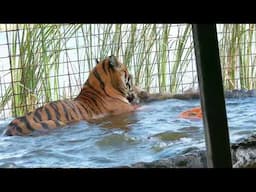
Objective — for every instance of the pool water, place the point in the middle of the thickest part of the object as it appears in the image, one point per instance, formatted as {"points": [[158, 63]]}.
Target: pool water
{"points": [[151, 133]]}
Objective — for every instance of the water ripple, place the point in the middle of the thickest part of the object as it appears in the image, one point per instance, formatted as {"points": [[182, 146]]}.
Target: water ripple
{"points": [[153, 132]]}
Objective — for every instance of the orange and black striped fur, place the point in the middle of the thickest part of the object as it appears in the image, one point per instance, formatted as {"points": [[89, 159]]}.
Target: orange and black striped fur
{"points": [[107, 91]]}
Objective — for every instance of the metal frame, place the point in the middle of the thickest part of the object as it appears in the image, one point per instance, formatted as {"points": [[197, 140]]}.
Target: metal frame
{"points": [[212, 95]]}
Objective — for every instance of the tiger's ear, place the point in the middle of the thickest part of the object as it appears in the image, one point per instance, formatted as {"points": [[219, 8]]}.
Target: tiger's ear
{"points": [[97, 61], [113, 61]]}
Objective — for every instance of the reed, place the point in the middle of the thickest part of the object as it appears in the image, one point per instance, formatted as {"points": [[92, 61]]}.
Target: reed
{"points": [[245, 56], [237, 45], [34, 53], [154, 59], [181, 60]]}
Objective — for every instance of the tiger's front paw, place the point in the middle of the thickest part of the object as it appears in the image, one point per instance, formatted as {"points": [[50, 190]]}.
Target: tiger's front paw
{"points": [[137, 95]]}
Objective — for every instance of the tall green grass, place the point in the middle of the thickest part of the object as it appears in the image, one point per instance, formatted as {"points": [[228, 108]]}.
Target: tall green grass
{"points": [[146, 49], [34, 53], [237, 50]]}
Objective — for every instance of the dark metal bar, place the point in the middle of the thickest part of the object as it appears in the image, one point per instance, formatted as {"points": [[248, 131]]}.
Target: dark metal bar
{"points": [[212, 95]]}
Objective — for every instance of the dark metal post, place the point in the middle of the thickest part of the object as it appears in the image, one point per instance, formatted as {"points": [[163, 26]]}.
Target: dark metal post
{"points": [[212, 95]]}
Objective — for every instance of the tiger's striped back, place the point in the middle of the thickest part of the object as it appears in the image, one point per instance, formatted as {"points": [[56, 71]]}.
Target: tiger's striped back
{"points": [[105, 92]]}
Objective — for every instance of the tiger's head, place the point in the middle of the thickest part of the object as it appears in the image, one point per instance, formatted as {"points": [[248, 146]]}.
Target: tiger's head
{"points": [[111, 73]]}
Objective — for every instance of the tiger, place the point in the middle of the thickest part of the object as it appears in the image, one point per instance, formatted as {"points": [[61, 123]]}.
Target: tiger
{"points": [[107, 91]]}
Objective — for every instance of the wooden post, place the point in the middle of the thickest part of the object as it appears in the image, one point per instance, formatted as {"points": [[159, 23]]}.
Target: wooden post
{"points": [[212, 95]]}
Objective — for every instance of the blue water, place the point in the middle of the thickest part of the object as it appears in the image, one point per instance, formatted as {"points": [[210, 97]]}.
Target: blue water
{"points": [[151, 133]]}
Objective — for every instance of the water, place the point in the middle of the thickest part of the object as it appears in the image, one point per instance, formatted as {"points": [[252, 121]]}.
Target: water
{"points": [[151, 133]]}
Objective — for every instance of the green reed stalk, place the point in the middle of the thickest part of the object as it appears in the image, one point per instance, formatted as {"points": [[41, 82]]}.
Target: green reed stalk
{"points": [[246, 36], [105, 41], [131, 42], [253, 67], [143, 47], [164, 56], [249, 54], [227, 51], [242, 57], [116, 40], [150, 63], [180, 64], [233, 51], [89, 50], [223, 42]]}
